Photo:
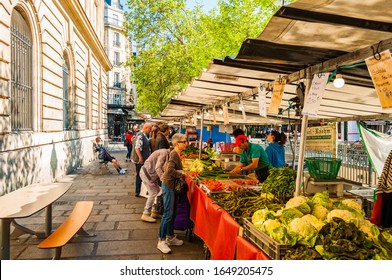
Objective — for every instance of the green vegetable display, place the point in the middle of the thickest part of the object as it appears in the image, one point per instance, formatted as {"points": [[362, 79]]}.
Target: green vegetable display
{"points": [[280, 182], [243, 202]]}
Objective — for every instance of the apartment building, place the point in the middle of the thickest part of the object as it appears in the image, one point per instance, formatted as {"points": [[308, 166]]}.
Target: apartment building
{"points": [[53, 88], [121, 93]]}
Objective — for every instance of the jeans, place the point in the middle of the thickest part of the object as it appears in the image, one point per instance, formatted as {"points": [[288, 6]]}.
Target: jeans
{"points": [[129, 147], [167, 223], [153, 189], [138, 182]]}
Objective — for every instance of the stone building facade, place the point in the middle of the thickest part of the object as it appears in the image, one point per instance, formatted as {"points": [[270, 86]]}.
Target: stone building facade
{"points": [[53, 88]]}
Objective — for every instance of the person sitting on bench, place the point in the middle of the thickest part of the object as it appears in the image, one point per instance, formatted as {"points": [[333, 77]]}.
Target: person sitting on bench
{"points": [[104, 156]]}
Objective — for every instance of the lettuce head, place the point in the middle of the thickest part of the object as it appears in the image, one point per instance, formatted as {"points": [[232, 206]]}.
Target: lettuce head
{"points": [[262, 215], [289, 214]]}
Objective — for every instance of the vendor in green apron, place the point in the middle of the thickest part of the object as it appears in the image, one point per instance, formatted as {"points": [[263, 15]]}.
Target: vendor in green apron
{"points": [[253, 157]]}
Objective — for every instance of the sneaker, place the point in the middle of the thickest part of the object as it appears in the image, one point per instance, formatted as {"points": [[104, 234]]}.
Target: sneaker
{"points": [[162, 246], [148, 219], [156, 215], [174, 241], [122, 171]]}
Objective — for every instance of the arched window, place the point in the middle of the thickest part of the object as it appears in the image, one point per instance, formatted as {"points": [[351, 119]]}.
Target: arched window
{"points": [[21, 73], [66, 88]]}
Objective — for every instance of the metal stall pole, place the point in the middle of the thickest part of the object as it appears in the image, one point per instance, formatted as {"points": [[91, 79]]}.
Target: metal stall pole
{"points": [[301, 154], [295, 137], [201, 133]]}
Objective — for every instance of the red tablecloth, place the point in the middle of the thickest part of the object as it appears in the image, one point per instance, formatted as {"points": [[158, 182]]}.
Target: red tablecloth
{"points": [[212, 224], [246, 251]]}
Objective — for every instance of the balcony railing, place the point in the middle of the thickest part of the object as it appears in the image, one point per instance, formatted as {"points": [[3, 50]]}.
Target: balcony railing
{"points": [[116, 98], [113, 21]]}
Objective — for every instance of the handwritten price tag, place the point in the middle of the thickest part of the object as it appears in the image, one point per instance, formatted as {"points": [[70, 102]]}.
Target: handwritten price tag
{"points": [[316, 92], [381, 73]]}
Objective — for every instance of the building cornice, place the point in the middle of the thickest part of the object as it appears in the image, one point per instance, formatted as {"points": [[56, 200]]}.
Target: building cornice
{"points": [[79, 18]]}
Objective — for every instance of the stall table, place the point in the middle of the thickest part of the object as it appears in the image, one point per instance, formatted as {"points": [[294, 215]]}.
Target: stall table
{"points": [[212, 224]]}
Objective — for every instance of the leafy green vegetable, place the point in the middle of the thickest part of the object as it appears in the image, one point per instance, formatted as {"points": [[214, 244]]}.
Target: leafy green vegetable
{"points": [[302, 253], [280, 182], [341, 240], [262, 215], [289, 214]]}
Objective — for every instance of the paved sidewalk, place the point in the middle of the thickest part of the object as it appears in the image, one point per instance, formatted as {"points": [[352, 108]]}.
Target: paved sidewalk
{"points": [[120, 234]]}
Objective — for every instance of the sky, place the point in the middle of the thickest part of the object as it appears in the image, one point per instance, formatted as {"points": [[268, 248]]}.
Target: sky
{"points": [[207, 4]]}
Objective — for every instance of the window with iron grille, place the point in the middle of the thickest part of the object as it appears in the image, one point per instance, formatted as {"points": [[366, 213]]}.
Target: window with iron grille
{"points": [[21, 74], [66, 107]]}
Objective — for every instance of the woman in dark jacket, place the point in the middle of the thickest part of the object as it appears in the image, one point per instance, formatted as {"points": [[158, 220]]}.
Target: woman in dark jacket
{"points": [[161, 141], [171, 174]]}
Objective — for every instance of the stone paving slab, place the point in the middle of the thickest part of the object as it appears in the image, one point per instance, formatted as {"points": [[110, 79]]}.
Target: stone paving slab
{"points": [[115, 220]]}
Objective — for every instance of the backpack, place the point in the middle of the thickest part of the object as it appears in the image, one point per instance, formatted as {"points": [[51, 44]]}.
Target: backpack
{"points": [[134, 156]]}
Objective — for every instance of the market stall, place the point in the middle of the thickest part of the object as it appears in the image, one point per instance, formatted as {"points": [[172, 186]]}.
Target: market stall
{"points": [[212, 224]]}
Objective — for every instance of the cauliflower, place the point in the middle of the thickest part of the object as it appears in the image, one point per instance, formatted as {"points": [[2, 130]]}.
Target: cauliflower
{"points": [[370, 229], [346, 215], [322, 198], [306, 232], [300, 202], [320, 212], [262, 215], [352, 203], [314, 221]]}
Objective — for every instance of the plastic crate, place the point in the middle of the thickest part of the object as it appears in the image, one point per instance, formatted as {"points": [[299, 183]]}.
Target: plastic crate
{"points": [[226, 147], [323, 167], [273, 249]]}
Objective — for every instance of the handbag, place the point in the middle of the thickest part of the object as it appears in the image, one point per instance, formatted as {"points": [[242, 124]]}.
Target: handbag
{"points": [[126, 143], [158, 205], [180, 187]]}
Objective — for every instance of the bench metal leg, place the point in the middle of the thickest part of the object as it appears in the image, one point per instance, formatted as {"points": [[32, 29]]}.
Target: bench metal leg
{"points": [[57, 253], [83, 233], [20, 230], [5, 238]]}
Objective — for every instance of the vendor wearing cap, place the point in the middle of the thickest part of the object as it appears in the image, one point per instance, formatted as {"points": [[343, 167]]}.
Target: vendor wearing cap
{"points": [[253, 157]]}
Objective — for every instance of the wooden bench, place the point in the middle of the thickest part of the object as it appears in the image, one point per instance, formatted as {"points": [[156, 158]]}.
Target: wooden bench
{"points": [[71, 226]]}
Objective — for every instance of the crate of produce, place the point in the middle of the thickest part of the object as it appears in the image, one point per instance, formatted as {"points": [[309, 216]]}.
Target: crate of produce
{"points": [[273, 249], [226, 147], [323, 167]]}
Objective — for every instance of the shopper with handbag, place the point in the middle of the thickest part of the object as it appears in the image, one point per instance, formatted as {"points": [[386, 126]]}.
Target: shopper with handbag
{"points": [[172, 173]]}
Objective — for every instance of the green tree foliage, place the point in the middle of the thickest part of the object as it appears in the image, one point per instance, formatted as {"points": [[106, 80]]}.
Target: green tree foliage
{"points": [[174, 43]]}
